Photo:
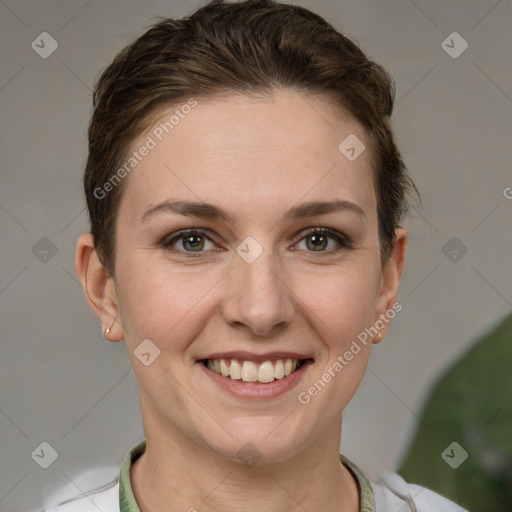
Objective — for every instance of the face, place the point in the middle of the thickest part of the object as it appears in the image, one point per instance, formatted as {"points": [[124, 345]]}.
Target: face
{"points": [[255, 279]]}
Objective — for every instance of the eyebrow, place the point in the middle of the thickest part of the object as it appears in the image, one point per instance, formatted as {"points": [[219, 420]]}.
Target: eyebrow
{"points": [[210, 211]]}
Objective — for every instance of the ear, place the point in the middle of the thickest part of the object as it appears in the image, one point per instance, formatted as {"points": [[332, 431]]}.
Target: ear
{"points": [[99, 287], [391, 274]]}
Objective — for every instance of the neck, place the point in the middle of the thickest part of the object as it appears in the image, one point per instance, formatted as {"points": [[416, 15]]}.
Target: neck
{"points": [[177, 474]]}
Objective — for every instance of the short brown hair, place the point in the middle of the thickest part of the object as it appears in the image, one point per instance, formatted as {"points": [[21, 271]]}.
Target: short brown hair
{"points": [[251, 46]]}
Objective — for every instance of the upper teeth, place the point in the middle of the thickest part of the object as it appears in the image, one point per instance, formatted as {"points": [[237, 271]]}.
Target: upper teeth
{"points": [[249, 371]]}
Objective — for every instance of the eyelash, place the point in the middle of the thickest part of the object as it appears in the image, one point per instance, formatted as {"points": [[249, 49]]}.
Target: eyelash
{"points": [[341, 239]]}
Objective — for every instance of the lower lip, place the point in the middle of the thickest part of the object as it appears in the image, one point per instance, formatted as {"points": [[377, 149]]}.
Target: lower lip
{"points": [[242, 389]]}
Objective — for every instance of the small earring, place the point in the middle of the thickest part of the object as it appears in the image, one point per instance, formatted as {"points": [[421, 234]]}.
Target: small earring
{"points": [[107, 330]]}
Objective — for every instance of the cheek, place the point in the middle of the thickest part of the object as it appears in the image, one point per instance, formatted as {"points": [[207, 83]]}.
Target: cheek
{"points": [[342, 301], [162, 303], [340, 306]]}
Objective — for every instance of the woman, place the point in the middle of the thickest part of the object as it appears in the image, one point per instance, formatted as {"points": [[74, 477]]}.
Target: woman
{"points": [[245, 194]]}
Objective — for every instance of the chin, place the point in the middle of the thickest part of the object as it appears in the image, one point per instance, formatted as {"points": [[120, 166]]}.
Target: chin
{"points": [[265, 442]]}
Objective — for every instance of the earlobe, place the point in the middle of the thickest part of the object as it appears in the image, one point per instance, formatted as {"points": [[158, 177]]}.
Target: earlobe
{"points": [[391, 274], [98, 287]]}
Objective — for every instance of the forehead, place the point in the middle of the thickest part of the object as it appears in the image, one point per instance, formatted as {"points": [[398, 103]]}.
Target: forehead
{"points": [[251, 150]]}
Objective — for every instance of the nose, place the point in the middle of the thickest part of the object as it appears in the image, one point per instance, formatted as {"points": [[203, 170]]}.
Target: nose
{"points": [[258, 299]]}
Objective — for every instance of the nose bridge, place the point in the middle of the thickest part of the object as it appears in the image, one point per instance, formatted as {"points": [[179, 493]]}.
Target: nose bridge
{"points": [[259, 299]]}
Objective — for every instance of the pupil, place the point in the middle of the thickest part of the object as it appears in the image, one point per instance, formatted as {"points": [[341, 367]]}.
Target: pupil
{"points": [[319, 239], [189, 240]]}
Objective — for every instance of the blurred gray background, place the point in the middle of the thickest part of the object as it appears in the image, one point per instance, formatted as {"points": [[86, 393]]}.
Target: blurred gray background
{"points": [[62, 383]]}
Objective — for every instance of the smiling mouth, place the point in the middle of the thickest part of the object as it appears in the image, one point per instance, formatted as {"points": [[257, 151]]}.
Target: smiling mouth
{"points": [[249, 371]]}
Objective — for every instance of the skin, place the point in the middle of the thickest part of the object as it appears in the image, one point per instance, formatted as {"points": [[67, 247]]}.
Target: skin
{"points": [[257, 158]]}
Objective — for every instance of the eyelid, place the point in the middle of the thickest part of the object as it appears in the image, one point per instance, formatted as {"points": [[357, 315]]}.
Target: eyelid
{"points": [[168, 240], [342, 239]]}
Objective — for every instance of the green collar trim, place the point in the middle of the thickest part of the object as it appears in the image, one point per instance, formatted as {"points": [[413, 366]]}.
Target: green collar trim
{"points": [[127, 501], [365, 489]]}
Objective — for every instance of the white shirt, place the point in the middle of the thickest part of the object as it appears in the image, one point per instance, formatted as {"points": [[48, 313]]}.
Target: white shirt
{"points": [[385, 499], [391, 493]]}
